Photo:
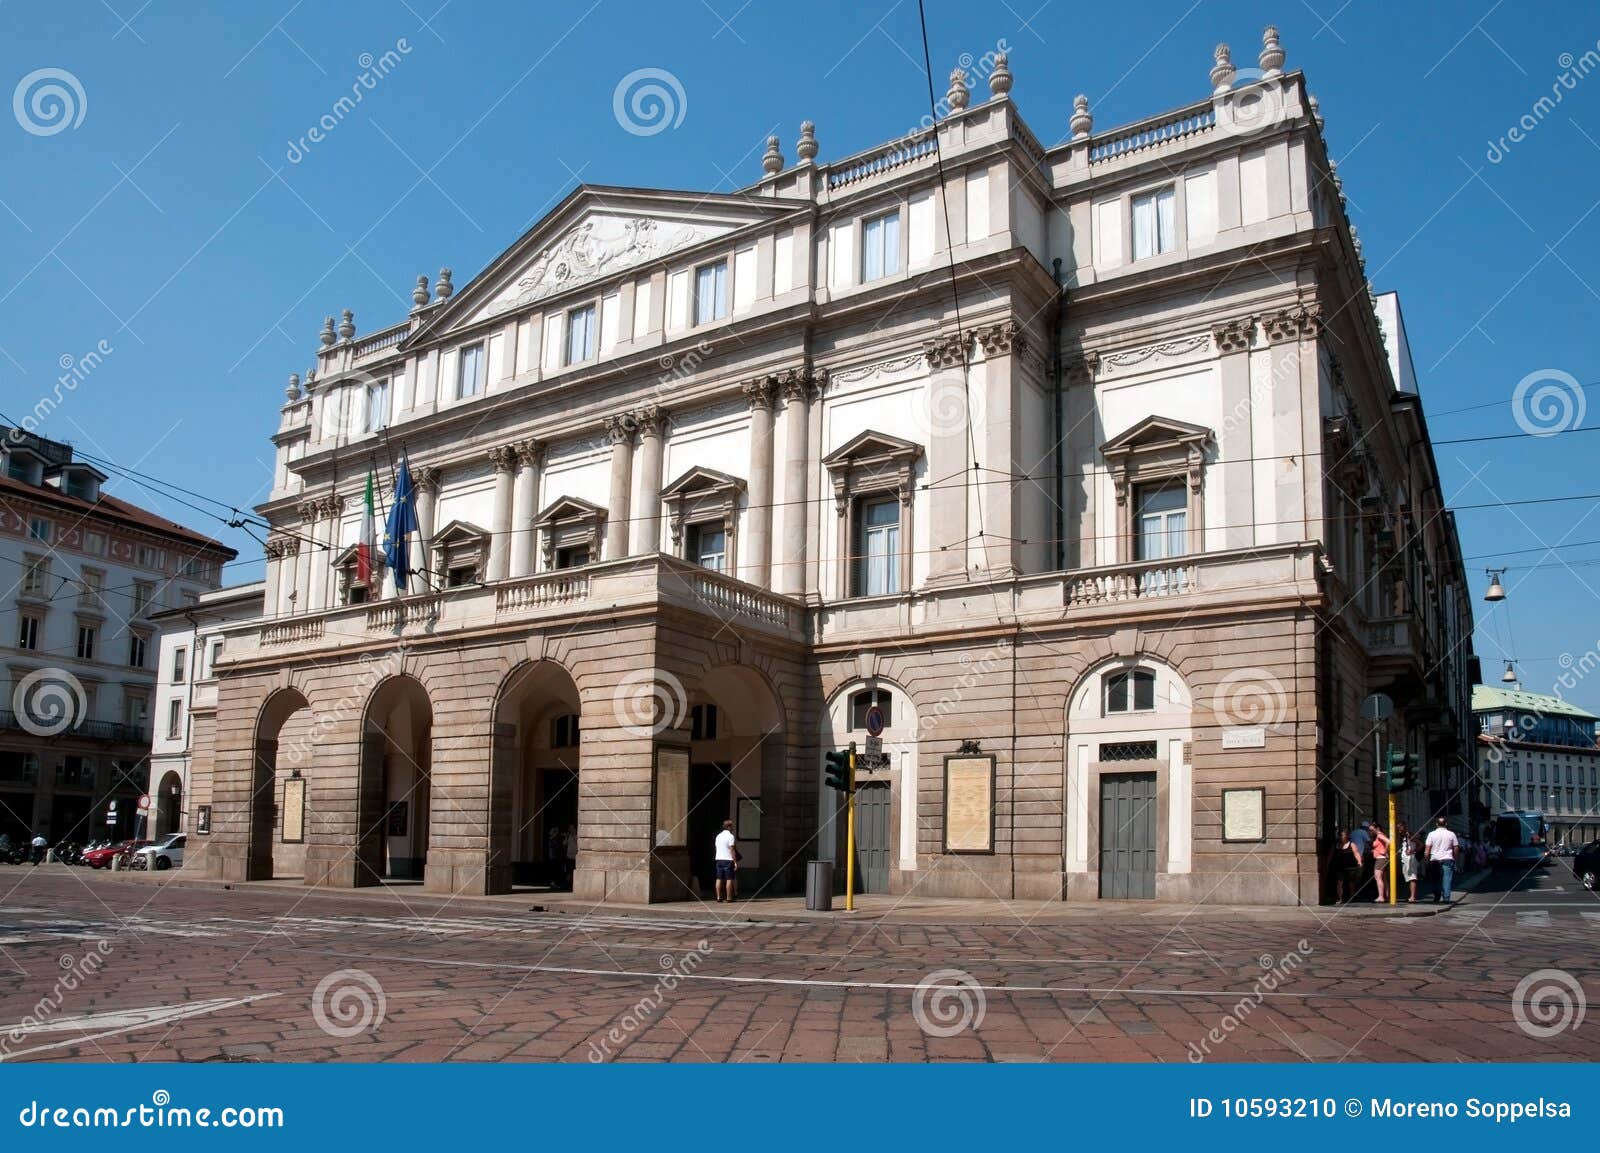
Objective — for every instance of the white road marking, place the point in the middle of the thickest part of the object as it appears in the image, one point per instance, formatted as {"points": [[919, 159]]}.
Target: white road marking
{"points": [[1533, 918], [114, 1022]]}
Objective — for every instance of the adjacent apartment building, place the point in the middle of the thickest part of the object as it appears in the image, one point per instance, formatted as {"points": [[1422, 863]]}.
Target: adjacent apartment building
{"points": [[1097, 468], [1538, 753], [85, 575]]}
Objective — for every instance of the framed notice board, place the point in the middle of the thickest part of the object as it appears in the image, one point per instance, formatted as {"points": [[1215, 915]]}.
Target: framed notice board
{"points": [[969, 803], [294, 811]]}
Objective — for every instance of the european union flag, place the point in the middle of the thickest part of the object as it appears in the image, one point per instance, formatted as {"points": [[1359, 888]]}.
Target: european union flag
{"points": [[401, 524]]}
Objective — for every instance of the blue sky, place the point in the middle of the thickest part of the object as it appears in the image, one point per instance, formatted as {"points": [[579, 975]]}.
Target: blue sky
{"points": [[171, 223]]}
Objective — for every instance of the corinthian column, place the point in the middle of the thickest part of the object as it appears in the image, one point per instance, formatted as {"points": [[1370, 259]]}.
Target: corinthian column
{"points": [[524, 497], [949, 458], [273, 551], [796, 388], [757, 553], [504, 458], [646, 535], [425, 482], [999, 440], [620, 431], [308, 574]]}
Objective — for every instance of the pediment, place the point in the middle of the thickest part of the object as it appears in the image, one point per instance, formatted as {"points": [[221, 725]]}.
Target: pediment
{"points": [[702, 479], [594, 234], [870, 446], [1155, 431], [459, 532], [569, 508]]}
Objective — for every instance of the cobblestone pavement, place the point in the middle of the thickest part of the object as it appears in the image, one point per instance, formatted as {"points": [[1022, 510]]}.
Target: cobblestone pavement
{"points": [[94, 967]]}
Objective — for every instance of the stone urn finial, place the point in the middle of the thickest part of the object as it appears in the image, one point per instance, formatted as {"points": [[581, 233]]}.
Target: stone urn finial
{"points": [[1082, 122], [958, 96], [419, 294], [806, 148], [1222, 72], [1271, 58], [347, 325], [772, 162], [1316, 110], [442, 288], [328, 337], [292, 392], [311, 378], [1000, 78]]}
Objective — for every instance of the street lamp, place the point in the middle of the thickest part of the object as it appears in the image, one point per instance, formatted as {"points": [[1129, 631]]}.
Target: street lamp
{"points": [[1510, 675], [1497, 591]]}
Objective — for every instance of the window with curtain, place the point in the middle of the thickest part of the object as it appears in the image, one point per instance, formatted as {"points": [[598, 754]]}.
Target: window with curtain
{"points": [[708, 546], [377, 405], [880, 246], [711, 292], [469, 372], [877, 559], [581, 333], [1155, 225], [1161, 522]]}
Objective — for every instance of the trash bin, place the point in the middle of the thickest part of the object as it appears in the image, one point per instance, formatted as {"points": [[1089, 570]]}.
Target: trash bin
{"points": [[819, 886]]}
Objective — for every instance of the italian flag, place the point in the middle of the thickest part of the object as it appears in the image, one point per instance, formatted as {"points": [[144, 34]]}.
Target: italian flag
{"points": [[367, 546]]}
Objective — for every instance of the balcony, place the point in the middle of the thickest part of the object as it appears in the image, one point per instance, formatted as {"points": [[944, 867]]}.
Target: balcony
{"points": [[110, 732], [1395, 655], [563, 598]]}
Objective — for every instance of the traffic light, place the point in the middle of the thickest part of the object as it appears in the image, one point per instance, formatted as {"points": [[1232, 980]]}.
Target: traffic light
{"points": [[836, 764], [1400, 769]]}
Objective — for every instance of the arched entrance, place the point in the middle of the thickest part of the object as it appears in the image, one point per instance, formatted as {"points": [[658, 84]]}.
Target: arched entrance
{"points": [[282, 743], [886, 797], [395, 780], [533, 808], [737, 749], [168, 803], [1129, 786]]}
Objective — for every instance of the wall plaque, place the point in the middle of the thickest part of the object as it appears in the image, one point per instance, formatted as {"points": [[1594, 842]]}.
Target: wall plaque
{"points": [[1244, 815], [1244, 737], [294, 811], [969, 804], [672, 797], [395, 823], [202, 820], [749, 818]]}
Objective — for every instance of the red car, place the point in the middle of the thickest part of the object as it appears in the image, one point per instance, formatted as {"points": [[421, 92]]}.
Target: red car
{"points": [[101, 858]]}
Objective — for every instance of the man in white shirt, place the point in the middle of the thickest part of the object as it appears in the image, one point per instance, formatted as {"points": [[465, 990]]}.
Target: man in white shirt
{"points": [[1440, 848], [40, 848], [727, 863]]}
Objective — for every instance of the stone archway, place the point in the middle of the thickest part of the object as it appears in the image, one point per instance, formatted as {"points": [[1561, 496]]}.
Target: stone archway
{"points": [[394, 789], [840, 724], [280, 731], [534, 791], [168, 802]]}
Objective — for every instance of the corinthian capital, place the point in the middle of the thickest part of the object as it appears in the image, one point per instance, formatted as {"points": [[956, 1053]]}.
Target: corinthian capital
{"points": [[620, 428], [650, 420], [530, 453], [427, 478], [1002, 338], [503, 457], [945, 351], [760, 392]]}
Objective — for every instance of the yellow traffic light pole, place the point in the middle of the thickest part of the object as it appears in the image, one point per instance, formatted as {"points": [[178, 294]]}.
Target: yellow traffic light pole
{"points": [[1394, 849], [850, 835]]}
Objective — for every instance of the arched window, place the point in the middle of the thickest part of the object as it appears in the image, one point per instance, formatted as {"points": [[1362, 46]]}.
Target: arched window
{"points": [[864, 700], [1130, 691]]}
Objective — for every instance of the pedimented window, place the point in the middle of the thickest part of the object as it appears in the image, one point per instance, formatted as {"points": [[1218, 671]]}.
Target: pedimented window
{"points": [[873, 478], [1157, 469], [460, 554], [703, 514], [569, 533]]}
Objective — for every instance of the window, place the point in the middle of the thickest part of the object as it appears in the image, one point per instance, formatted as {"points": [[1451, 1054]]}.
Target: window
{"points": [[461, 575], [174, 719], [152, 557], [711, 292], [1128, 750], [136, 651], [39, 529], [216, 656], [377, 405], [94, 543], [864, 700], [877, 564], [180, 661], [28, 633], [91, 582], [469, 371], [581, 334], [1130, 691], [703, 723], [35, 575], [575, 557], [1155, 227], [880, 246], [356, 593], [87, 635], [1161, 526], [144, 595], [564, 731], [708, 546]]}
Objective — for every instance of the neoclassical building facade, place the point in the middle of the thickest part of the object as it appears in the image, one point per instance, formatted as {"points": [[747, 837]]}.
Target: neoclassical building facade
{"points": [[1087, 474]]}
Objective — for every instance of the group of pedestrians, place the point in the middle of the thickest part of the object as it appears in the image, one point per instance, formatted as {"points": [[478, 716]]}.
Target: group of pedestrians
{"points": [[1362, 854]]}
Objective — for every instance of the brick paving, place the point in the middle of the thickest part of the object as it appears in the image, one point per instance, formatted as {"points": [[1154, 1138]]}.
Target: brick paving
{"points": [[197, 973]]}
